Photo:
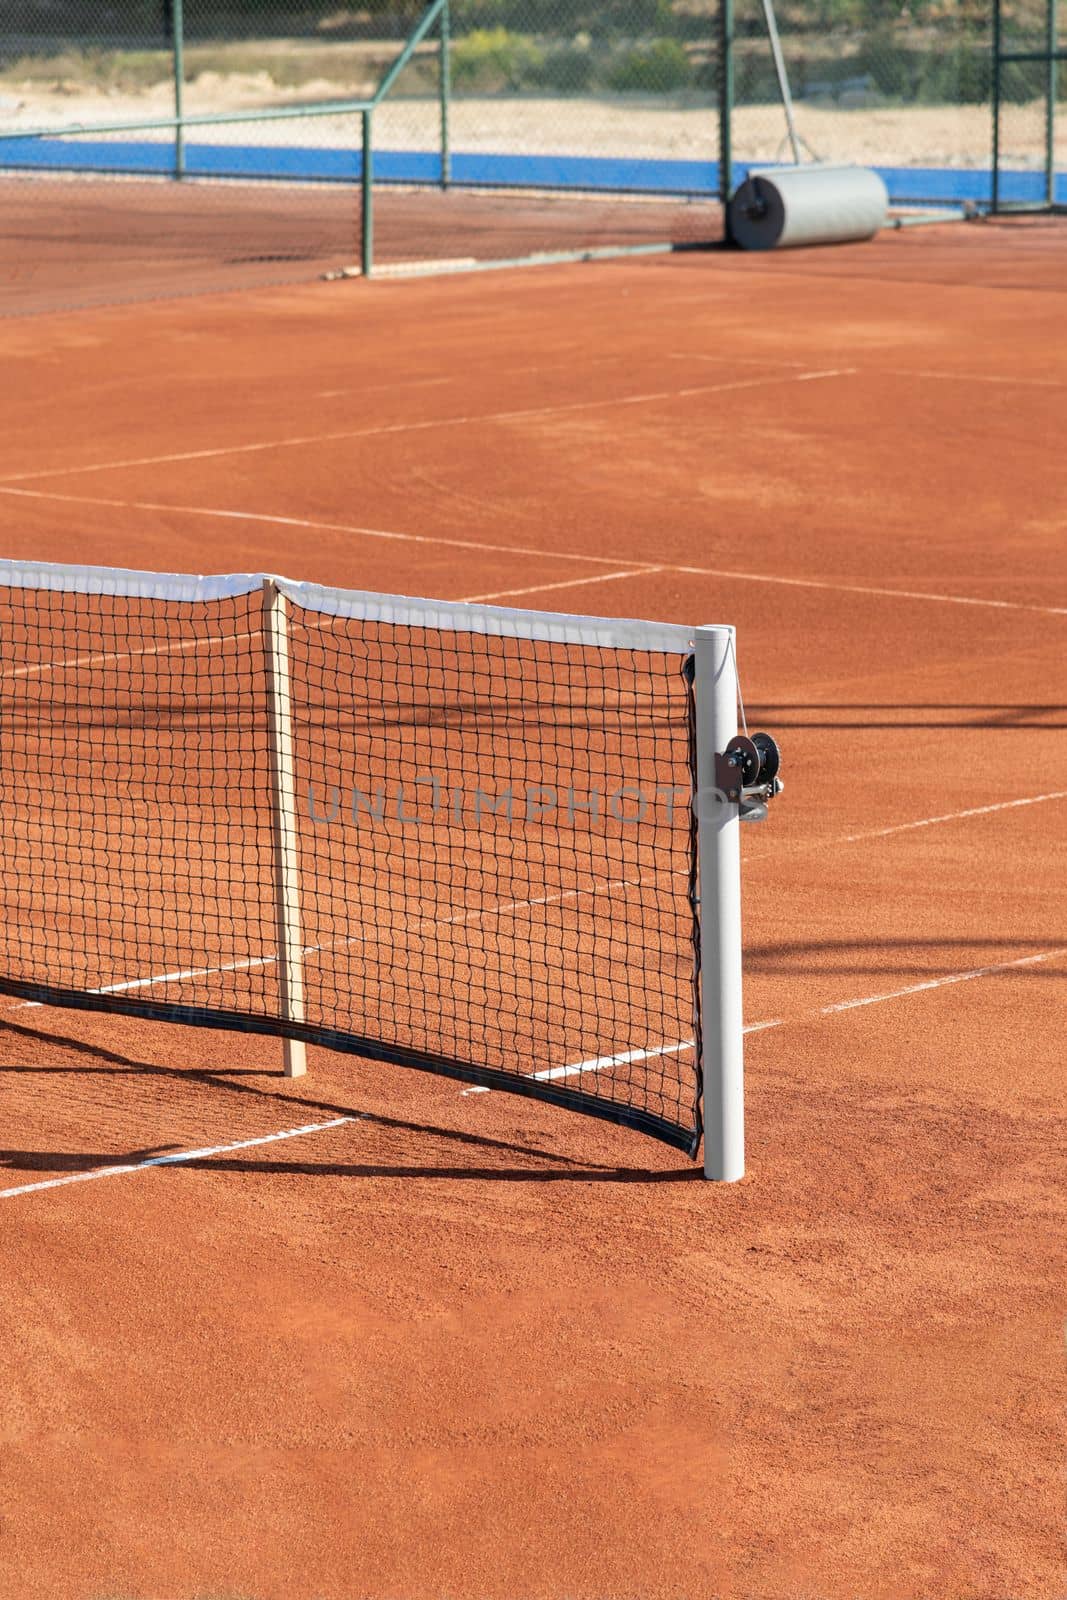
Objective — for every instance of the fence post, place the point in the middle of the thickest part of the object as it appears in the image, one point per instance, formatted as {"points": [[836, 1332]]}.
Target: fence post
{"points": [[177, 20], [283, 824], [446, 97], [719, 859], [1051, 42], [995, 197], [726, 110], [366, 258]]}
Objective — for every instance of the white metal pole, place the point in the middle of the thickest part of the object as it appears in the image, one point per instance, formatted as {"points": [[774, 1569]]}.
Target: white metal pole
{"points": [[283, 824], [783, 78], [719, 853]]}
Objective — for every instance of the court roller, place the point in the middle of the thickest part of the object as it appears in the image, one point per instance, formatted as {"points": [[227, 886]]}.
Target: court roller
{"points": [[778, 207]]}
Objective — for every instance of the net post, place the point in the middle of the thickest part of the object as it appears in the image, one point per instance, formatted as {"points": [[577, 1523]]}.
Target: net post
{"points": [[719, 857], [283, 823]]}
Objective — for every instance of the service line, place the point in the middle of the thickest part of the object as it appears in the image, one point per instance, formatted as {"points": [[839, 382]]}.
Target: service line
{"points": [[296, 441], [729, 359], [797, 845], [863, 588], [175, 1159], [969, 377], [566, 583], [358, 529], [616, 559]]}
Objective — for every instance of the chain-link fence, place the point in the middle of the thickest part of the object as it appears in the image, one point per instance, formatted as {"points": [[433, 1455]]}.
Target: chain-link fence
{"points": [[1030, 104], [905, 89], [128, 203], [515, 128], [910, 90], [570, 126], [154, 145]]}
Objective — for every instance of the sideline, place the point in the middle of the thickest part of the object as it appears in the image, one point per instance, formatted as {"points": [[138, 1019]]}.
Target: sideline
{"points": [[599, 1063], [174, 1160]]}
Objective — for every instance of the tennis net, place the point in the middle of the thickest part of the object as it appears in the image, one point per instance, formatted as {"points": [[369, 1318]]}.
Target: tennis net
{"points": [[451, 837]]}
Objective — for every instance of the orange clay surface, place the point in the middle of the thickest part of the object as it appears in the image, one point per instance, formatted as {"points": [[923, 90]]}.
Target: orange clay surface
{"points": [[470, 1346]]}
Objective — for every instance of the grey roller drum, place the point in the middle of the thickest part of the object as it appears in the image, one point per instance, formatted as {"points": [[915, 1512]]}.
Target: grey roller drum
{"points": [[776, 207]]}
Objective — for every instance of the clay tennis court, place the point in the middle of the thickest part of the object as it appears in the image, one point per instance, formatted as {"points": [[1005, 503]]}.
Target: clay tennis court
{"points": [[368, 1334], [152, 241]]}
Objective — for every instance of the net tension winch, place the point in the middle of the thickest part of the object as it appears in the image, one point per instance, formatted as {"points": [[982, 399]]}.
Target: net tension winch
{"points": [[746, 774]]}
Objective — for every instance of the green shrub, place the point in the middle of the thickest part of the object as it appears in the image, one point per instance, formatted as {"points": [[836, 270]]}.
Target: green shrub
{"points": [[652, 68], [625, 18], [494, 58], [479, 14], [953, 74], [568, 69], [1023, 81], [633, 17], [958, 76], [889, 65]]}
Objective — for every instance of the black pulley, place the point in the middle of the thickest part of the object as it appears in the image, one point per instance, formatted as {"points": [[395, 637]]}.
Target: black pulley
{"points": [[744, 756], [770, 757]]}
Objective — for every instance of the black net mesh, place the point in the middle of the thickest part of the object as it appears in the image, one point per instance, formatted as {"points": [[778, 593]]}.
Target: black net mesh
{"points": [[494, 840]]}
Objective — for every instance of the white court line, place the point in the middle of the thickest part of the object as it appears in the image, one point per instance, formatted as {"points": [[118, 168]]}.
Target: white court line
{"points": [[396, 386], [504, 907], [323, 527], [954, 816], [940, 983], [874, 372], [602, 1063], [861, 588], [530, 550], [176, 1159], [599, 1063], [732, 360], [169, 977], [246, 965], [796, 845], [969, 377], [566, 583], [604, 402], [72, 663]]}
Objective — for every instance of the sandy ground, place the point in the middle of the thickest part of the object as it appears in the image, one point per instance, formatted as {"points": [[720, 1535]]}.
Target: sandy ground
{"points": [[958, 136]]}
